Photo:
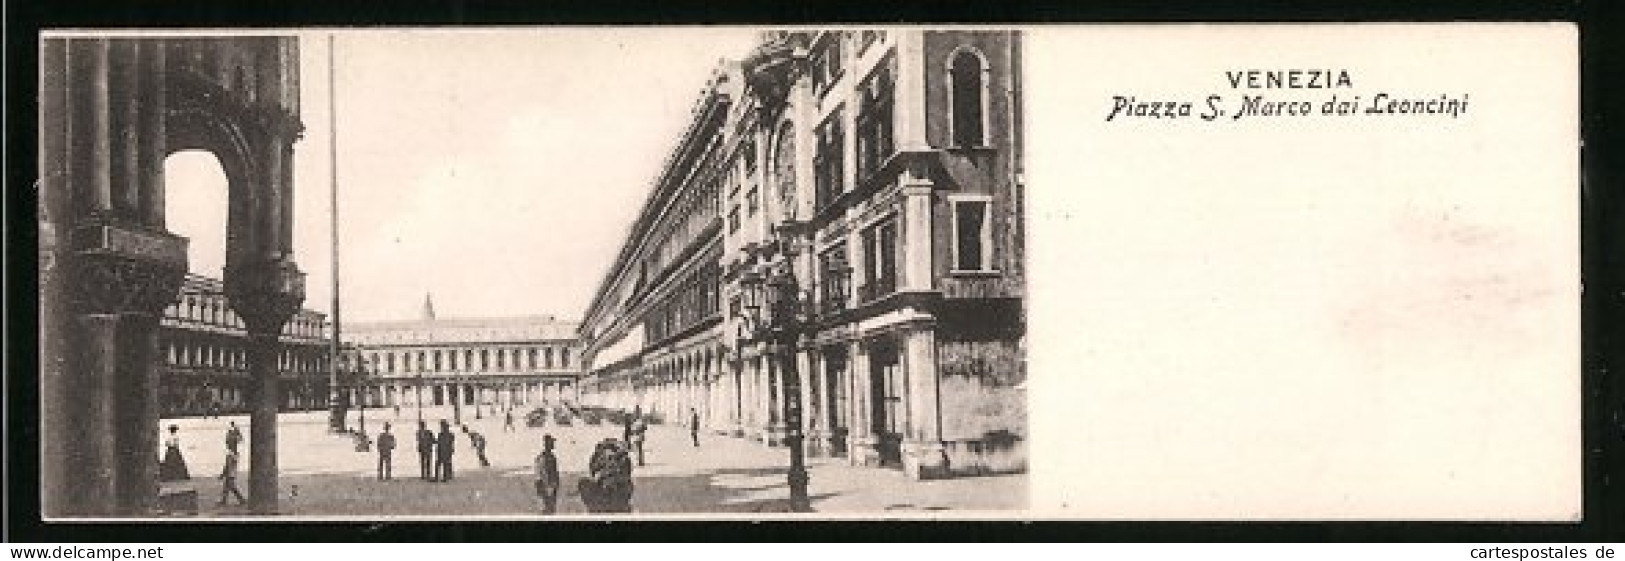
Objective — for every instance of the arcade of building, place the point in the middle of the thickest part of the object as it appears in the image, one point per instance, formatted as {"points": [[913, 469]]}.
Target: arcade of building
{"points": [[889, 160], [205, 349]]}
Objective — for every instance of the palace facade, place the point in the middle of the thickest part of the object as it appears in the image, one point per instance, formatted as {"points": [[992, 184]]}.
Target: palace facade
{"points": [[205, 349], [882, 169], [449, 364]]}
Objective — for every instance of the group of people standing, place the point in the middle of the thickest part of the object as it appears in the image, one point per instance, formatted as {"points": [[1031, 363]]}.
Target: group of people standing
{"points": [[435, 451], [607, 486]]}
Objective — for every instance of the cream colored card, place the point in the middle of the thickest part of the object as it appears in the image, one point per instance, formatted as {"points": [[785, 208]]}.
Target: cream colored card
{"points": [[1366, 314]]}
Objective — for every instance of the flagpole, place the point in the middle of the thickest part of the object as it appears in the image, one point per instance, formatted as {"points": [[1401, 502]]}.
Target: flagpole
{"points": [[335, 402]]}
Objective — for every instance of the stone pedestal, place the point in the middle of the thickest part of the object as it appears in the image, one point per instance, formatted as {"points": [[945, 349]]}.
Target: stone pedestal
{"points": [[773, 434], [924, 459], [865, 452], [818, 443]]}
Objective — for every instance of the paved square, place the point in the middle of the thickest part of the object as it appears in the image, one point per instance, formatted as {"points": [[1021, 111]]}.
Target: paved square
{"points": [[323, 475]]}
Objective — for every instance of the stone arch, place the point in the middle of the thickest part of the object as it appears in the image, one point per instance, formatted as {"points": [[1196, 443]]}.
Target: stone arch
{"points": [[111, 111]]}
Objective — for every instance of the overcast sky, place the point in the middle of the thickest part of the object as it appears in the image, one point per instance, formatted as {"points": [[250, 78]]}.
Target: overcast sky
{"points": [[497, 169]]}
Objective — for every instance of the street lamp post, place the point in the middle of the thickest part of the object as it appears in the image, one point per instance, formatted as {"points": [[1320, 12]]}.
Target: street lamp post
{"points": [[457, 399], [418, 398], [782, 329]]}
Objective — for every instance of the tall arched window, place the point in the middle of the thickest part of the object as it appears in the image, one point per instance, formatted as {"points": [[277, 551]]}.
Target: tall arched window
{"points": [[967, 90]]}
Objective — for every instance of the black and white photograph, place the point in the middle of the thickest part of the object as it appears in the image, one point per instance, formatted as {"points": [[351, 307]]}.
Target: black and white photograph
{"points": [[532, 272], [470, 276]]}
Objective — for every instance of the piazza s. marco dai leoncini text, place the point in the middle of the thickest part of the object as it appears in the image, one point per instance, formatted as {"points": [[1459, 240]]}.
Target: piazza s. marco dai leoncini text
{"points": [[1289, 93]]}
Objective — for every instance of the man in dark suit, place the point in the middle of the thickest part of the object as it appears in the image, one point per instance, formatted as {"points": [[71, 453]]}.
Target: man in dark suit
{"points": [[425, 451], [547, 476], [444, 449], [386, 454]]}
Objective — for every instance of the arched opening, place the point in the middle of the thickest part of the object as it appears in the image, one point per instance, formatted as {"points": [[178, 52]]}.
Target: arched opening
{"points": [[195, 189], [195, 193], [967, 89]]}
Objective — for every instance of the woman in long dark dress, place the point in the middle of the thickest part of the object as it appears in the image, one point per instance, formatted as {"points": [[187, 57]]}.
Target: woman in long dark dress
{"points": [[173, 466]]}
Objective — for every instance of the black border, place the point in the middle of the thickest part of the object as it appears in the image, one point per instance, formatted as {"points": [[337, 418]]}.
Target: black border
{"points": [[1603, 259]]}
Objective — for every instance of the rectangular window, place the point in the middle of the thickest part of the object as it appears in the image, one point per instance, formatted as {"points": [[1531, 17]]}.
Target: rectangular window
{"points": [[972, 237], [733, 219], [879, 261], [874, 122], [829, 167], [835, 274], [752, 202], [827, 64]]}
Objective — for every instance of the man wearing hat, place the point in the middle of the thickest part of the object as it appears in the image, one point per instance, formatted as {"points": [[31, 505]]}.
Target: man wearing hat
{"points": [[547, 476]]}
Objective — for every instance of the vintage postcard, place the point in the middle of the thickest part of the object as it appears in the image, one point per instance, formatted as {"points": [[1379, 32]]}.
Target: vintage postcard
{"points": [[1170, 272]]}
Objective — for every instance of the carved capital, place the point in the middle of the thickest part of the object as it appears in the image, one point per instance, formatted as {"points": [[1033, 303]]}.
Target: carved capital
{"points": [[265, 293], [120, 268], [106, 283]]}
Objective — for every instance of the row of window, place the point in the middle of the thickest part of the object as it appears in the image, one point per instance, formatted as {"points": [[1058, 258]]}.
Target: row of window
{"points": [[492, 359], [695, 300], [215, 311], [875, 129], [688, 216], [879, 249], [215, 356]]}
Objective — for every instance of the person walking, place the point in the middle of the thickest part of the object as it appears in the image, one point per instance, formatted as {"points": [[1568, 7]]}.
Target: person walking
{"points": [[234, 436], [386, 454], [173, 465], [228, 480], [694, 426], [507, 420], [640, 429], [445, 447], [547, 476], [477, 442], [425, 452]]}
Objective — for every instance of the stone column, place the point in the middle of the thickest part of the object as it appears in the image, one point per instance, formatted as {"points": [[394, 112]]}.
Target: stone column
{"points": [[265, 293], [812, 417], [124, 112], [863, 443], [119, 299], [923, 454], [92, 122], [57, 394], [108, 276], [154, 128]]}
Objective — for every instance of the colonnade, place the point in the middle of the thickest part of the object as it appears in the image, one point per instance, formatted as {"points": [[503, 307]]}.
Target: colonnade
{"points": [[504, 394], [870, 398]]}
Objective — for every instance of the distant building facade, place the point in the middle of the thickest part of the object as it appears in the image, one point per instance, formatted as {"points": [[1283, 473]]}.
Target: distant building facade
{"points": [[483, 364], [204, 345], [891, 161]]}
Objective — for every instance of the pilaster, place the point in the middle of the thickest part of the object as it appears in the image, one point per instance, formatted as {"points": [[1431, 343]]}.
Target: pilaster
{"points": [[918, 258], [865, 445]]}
